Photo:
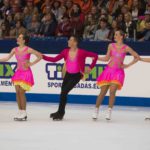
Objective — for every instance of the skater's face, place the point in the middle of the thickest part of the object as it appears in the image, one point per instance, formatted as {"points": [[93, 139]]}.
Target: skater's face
{"points": [[118, 36], [72, 42], [20, 40]]}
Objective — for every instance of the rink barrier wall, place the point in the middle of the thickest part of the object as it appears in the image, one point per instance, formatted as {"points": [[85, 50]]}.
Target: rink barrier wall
{"points": [[78, 99], [54, 46]]}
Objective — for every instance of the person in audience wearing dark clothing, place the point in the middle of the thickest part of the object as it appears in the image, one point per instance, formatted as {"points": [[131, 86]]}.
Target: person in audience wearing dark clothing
{"points": [[48, 27]]}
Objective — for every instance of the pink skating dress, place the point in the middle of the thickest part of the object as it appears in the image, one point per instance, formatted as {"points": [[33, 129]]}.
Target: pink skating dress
{"points": [[23, 76], [114, 73]]}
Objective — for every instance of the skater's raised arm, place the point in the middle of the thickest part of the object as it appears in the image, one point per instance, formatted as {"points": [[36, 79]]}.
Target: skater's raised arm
{"points": [[134, 54], [37, 54], [8, 57], [145, 59], [54, 59]]}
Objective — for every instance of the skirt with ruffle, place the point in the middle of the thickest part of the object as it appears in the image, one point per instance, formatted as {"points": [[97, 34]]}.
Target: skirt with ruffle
{"points": [[23, 78], [111, 76]]}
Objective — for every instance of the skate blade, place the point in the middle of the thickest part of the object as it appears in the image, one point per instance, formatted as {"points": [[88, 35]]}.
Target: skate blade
{"points": [[108, 119], [51, 116], [20, 119], [57, 119], [147, 118], [94, 119]]}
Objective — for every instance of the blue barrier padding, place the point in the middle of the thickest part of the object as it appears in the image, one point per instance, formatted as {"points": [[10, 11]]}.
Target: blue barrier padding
{"points": [[78, 99], [52, 45]]}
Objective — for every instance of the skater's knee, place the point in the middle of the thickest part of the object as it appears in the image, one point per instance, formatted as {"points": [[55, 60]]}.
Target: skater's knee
{"points": [[21, 92], [112, 92], [64, 92]]}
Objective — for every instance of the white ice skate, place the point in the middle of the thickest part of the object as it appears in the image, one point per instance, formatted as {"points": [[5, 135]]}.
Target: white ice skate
{"points": [[17, 115], [108, 114], [147, 118], [21, 116], [95, 113]]}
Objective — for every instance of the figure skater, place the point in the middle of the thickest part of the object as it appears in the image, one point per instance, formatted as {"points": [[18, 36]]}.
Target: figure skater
{"points": [[112, 78], [75, 63], [22, 78]]}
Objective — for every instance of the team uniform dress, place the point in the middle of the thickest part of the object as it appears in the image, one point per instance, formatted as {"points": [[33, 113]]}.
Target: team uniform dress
{"points": [[113, 73], [23, 76]]}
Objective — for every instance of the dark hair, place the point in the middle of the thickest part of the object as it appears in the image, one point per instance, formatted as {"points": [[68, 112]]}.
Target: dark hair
{"points": [[26, 38], [103, 20], [77, 38], [121, 32], [21, 23], [76, 14], [59, 4]]}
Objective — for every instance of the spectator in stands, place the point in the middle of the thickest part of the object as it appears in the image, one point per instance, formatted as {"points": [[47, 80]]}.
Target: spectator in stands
{"points": [[142, 25], [64, 28], [76, 12], [121, 3], [77, 25], [27, 16], [147, 5], [102, 33], [112, 6], [46, 12], [32, 9], [144, 30], [129, 27], [120, 20], [5, 9], [95, 13], [125, 9], [33, 27], [100, 3], [38, 4], [69, 4], [56, 10], [136, 10], [47, 3], [63, 10], [113, 29], [18, 16], [85, 5], [1, 3], [15, 8], [105, 14], [4, 30], [48, 27], [10, 20], [88, 19], [90, 28], [19, 29], [18, 5]]}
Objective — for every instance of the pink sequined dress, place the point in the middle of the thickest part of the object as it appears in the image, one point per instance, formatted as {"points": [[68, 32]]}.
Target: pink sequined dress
{"points": [[23, 76], [114, 73]]}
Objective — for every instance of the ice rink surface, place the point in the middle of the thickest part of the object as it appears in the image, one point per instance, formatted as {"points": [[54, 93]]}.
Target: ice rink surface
{"points": [[126, 131]]}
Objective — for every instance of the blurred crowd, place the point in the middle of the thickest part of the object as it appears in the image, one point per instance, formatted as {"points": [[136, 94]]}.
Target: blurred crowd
{"points": [[90, 19]]}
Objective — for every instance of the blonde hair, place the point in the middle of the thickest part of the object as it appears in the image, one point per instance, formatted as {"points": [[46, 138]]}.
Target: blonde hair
{"points": [[129, 15]]}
